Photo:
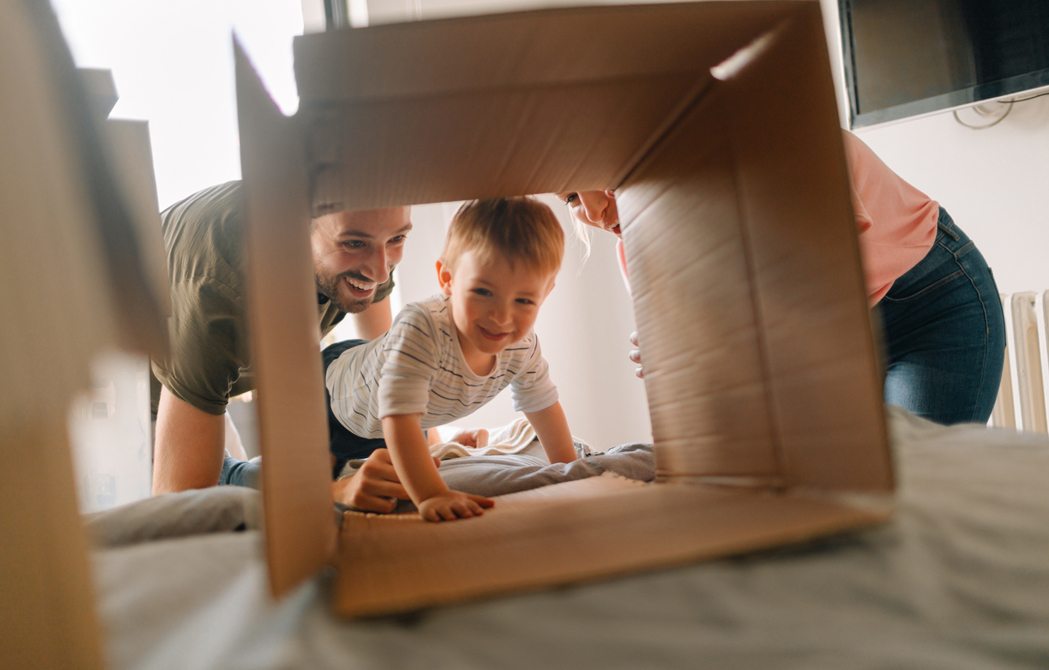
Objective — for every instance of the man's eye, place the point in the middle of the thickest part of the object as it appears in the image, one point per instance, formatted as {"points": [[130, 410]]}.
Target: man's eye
{"points": [[353, 244], [398, 240]]}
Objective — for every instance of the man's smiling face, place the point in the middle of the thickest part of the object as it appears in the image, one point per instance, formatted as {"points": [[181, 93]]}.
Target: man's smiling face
{"points": [[354, 252]]}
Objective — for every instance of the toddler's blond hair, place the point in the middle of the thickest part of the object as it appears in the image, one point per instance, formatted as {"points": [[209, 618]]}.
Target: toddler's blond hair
{"points": [[522, 230]]}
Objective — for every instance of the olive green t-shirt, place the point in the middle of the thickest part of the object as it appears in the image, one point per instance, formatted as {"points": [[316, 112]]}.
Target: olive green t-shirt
{"points": [[210, 355]]}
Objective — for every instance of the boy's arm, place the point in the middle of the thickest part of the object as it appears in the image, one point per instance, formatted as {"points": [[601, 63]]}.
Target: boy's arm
{"points": [[551, 427], [416, 469]]}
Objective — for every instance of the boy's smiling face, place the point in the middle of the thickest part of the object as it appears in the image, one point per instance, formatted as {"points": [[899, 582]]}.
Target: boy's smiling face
{"points": [[494, 304]]}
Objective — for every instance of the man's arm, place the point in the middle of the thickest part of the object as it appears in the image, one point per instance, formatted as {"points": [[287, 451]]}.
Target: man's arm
{"points": [[551, 427], [374, 321], [189, 446]]}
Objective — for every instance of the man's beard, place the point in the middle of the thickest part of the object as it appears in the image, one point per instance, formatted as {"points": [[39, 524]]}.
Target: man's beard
{"points": [[329, 286]]}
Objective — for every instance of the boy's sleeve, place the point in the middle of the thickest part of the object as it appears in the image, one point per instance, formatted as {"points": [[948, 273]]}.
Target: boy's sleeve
{"points": [[532, 389], [411, 363]]}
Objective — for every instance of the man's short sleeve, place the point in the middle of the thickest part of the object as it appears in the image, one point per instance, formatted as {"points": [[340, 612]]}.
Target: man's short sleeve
{"points": [[208, 351]]}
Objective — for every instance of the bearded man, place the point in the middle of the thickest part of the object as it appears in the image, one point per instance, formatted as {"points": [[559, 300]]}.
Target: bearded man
{"points": [[354, 254]]}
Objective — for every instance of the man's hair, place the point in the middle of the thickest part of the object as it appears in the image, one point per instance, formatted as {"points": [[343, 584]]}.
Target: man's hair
{"points": [[522, 230]]}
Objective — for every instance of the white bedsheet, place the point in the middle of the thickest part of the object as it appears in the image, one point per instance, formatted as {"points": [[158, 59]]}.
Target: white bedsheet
{"points": [[959, 579]]}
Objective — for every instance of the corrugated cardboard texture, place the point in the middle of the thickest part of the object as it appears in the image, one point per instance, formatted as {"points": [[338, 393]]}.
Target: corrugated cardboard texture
{"points": [[578, 531], [741, 243], [282, 316]]}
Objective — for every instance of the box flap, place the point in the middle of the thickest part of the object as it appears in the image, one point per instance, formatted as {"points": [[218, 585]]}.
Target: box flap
{"points": [[282, 318]]}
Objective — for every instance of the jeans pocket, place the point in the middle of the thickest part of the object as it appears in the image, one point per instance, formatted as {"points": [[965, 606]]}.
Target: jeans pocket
{"points": [[914, 292]]}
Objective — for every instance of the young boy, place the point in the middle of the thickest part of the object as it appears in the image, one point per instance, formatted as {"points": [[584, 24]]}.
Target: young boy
{"points": [[448, 355]]}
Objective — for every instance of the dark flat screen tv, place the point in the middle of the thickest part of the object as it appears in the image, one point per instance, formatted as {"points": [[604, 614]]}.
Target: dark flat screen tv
{"points": [[907, 58]]}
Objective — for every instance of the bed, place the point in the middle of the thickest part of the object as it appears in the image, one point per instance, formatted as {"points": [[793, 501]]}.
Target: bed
{"points": [[958, 579]]}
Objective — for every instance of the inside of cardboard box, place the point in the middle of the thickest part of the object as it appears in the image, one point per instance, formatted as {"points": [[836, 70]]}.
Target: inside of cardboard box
{"points": [[731, 255]]}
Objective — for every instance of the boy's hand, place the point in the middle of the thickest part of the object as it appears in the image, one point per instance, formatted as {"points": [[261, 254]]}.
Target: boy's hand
{"points": [[635, 355], [375, 487], [453, 505]]}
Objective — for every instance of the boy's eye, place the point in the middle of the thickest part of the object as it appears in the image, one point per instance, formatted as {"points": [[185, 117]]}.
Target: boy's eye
{"points": [[525, 301], [482, 291], [570, 198]]}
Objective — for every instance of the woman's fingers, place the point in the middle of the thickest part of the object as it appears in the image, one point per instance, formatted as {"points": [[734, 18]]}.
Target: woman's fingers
{"points": [[635, 355]]}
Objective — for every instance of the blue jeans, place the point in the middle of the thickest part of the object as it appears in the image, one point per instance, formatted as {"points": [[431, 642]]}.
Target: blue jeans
{"points": [[344, 445], [240, 473], [945, 333]]}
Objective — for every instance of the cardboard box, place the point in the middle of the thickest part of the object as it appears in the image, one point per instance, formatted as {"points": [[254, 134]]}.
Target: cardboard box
{"points": [[716, 123]]}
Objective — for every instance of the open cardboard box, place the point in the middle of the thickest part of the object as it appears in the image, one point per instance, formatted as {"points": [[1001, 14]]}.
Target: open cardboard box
{"points": [[716, 124]]}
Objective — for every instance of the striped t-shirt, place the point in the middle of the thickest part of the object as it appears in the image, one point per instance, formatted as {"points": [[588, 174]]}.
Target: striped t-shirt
{"points": [[418, 368]]}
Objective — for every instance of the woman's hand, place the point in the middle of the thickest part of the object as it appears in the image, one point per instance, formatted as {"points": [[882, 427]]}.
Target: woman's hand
{"points": [[453, 505], [635, 355]]}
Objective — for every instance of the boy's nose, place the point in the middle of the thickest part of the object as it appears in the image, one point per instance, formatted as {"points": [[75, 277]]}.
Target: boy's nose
{"points": [[500, 315]]}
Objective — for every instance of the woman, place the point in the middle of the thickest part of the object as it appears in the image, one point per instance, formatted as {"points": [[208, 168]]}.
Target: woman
{"points": [[942, 318]]}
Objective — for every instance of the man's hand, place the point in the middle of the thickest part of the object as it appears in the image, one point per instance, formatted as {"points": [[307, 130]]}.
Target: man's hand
{"points": [[453, 505], [375, 487], [635, 355]]}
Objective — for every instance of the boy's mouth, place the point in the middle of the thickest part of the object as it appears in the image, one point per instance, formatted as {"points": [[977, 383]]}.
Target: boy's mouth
{"points": [[493, 336], [358, 288]]}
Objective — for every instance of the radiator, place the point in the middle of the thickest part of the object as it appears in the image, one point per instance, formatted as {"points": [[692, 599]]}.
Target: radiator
{"points": [[1022, 375]]}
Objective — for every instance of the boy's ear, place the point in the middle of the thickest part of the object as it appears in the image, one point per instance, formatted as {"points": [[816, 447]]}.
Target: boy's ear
{"points": [[549, 288], [444, 276]]}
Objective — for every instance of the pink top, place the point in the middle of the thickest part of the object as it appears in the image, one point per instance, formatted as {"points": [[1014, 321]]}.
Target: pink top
{"points": [[621, 255], [896, 222]]}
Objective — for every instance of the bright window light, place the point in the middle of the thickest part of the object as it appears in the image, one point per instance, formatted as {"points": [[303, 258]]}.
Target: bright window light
{"points": [[173, 66]]}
